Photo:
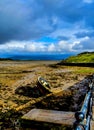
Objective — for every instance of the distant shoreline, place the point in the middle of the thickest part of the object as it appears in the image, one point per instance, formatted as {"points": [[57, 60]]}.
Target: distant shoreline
{"points": [[38, 57], [33, 62]]}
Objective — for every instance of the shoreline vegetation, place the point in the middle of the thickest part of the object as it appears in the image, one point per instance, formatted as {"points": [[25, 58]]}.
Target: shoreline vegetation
{"points": [[85, 58]]}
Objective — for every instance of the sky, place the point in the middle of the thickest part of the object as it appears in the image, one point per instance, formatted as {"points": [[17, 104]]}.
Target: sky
{"points": [[46, 26]]}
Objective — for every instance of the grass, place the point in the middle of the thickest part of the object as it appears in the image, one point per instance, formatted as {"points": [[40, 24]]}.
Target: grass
{"points": [[81, 58], [83, 70]]}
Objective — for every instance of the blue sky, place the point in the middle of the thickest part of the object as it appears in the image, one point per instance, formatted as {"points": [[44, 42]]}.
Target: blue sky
{"points": [[46, 26]]}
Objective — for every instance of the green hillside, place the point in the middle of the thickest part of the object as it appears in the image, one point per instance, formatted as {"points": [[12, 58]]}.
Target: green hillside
{"points": [[85, 57]]}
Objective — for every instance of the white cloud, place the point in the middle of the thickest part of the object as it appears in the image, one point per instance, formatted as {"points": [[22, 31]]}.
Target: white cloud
{"points": [[76, 45], [51, 48], [29, 46], [24, 46], [13, 45], [88, 1], [63, 45], [85, 44]]}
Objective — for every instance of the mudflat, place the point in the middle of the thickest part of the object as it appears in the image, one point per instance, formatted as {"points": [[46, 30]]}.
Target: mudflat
{"points": [[15, 74], [18, 80]]}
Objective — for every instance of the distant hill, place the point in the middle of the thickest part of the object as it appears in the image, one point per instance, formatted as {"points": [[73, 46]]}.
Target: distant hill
{"points": [[5, 59], [85, 57], [40, 56]]}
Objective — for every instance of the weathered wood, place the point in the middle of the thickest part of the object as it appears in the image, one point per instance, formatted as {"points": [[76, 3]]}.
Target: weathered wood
{"points": [[50, 116]]}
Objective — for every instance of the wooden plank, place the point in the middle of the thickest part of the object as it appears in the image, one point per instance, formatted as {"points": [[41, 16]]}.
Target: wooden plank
{"points": [[50, 116]]}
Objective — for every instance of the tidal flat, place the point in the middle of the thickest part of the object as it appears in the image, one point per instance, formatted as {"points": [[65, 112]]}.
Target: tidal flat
{"points": [[18, 80]]}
